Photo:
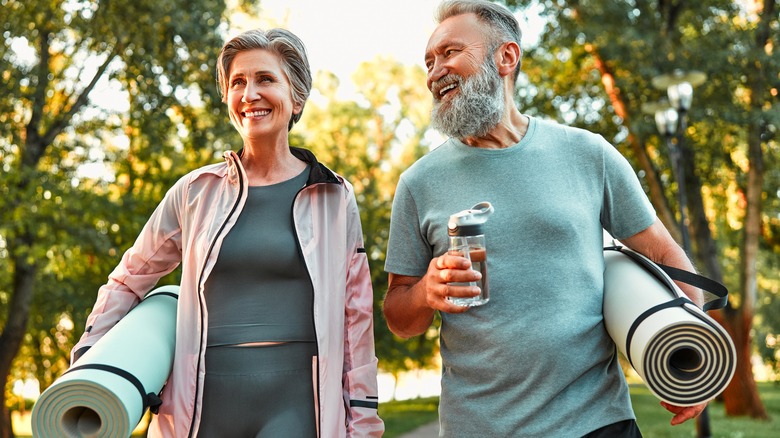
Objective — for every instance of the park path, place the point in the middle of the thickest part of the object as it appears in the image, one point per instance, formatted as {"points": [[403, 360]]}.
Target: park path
{"points": [[430, 430]]}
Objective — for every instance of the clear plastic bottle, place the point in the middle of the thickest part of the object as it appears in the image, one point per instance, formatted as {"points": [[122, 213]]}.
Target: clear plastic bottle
{"points": [[467, 239]]}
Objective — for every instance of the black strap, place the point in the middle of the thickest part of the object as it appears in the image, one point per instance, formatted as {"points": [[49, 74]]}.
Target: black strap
{"points": [[701, 282], [639, 319], [149, 399], [704, 283], [713, 287], [167, 294], [363, 404]]}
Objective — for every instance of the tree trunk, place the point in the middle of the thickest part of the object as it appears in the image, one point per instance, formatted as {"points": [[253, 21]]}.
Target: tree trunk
{"points": [[741, 395], [705, 248], [15, 327], [656, 194], [740, 398]]}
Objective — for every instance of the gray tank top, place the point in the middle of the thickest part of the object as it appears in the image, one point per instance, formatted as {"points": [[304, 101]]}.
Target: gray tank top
{"points": [[259, 289]]}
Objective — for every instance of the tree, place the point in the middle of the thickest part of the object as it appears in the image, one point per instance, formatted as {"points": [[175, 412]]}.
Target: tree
{"points": [[55, 224], [370, 139], [593, 69]]}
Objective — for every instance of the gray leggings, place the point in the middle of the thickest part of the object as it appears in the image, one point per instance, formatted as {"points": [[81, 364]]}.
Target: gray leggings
{"points": [[255, 392]]}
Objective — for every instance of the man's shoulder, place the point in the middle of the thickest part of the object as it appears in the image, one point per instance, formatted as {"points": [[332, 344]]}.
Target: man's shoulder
{"points": [[549, 126], [436, 158]]}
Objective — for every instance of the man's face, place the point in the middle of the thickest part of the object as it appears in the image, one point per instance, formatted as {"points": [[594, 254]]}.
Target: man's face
{"points": [[456, 47], [467, 91]]}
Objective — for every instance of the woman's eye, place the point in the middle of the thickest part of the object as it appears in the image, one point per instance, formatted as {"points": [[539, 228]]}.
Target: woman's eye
{"points": [[236, 82]]}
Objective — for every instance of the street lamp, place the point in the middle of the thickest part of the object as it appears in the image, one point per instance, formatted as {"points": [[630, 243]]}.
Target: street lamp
{"points": [[667, 120], [679, 89], [672, 120]]}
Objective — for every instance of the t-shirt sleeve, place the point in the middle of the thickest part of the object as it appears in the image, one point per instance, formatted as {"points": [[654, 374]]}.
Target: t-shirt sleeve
{"points": [[626, 209], [408, 251]]}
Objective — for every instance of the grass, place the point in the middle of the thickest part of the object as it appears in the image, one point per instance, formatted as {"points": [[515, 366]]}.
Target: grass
{"points": [[654, 420], [404, 416]]}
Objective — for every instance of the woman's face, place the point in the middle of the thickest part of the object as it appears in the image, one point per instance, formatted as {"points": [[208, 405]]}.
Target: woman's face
{"points": [[259, 95]]}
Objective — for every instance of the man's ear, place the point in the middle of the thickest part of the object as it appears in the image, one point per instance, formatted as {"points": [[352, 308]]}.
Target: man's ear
{"points": [[509, 55]]}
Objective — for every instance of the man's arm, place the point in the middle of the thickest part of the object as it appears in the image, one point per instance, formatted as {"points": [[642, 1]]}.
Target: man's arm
{"points": [[657, 244], [411, 301]]}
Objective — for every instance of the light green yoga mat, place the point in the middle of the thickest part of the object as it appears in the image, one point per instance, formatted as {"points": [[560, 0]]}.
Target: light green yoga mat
{"points": [[99, 396]]}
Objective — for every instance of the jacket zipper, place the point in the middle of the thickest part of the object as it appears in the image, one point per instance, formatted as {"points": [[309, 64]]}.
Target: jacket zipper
{"points": [[317, 415], [200, 295]]}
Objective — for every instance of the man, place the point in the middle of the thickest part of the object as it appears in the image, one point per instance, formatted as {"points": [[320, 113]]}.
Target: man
{"points": [[535, 360]]}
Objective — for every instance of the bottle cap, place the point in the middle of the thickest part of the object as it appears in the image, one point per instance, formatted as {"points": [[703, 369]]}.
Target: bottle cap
{"points": [[469, 222]]}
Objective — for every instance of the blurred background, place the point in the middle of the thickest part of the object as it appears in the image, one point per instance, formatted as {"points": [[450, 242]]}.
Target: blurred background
{"points": [[105, 104]]}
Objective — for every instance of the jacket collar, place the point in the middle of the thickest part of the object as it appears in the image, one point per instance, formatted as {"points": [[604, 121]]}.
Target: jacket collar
{"points": [[318, 174]]}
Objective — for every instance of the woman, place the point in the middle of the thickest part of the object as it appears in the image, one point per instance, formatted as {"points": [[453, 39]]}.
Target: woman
{"points": [[274, 331]]}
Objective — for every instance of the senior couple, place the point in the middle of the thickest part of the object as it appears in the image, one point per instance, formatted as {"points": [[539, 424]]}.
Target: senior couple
{"points": [[275, 328]]}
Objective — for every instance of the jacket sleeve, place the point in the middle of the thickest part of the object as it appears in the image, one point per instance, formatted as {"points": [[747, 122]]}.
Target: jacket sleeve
{"points": [[360, 363], [155, 253]]}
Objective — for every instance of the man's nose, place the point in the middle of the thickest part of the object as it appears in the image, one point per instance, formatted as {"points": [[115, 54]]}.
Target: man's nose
{"points": [[436, 72]]}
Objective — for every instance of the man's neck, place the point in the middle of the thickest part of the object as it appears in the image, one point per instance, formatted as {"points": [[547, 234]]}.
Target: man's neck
{"points": [[509, 131]]}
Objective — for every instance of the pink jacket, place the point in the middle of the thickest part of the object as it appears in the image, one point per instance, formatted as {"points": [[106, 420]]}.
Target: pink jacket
{"points": [[189, 226]]}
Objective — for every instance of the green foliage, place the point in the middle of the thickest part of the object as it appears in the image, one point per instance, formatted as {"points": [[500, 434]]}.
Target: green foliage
{"points": [[370, 140], [160, 58], [161, 118], [405, 416], [637, 41]]}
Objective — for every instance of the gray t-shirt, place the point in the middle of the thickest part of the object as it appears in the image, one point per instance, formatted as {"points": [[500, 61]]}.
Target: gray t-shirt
{"points": [[536, 361], [259, 289]]}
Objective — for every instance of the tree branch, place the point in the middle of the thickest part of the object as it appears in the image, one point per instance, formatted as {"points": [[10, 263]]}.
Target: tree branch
{"points": [[65, 117]]}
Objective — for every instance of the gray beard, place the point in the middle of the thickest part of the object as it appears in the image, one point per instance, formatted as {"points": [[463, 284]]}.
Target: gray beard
{"points": [[476, 109]]}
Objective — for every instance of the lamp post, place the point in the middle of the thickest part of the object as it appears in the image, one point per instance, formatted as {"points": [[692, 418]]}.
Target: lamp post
{"points": [[667, 121], [679, 89]]}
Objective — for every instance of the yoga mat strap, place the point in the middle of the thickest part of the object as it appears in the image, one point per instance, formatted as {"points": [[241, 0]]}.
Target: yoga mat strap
{"points": [[703, 283], [672, 303], [713, 287], [80, 352], [150, 399]]}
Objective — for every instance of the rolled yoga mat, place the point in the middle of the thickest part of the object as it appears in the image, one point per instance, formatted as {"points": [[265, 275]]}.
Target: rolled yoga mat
{"points": [[108, 389], [684, 357]]}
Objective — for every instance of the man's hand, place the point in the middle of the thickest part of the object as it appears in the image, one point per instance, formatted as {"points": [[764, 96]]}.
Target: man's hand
{"points": [[442, 272], [411, 302], [683, 414]]}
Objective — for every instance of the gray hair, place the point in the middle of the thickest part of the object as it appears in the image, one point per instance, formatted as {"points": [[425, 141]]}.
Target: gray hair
{"points": [[282, 42], [502, 25]]}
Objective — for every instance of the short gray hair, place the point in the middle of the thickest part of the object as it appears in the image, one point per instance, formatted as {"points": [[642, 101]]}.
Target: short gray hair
{"points": [[502, 25], [282, 42]]}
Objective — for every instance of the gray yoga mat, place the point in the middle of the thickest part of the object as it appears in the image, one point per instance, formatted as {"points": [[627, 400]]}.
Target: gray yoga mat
{"points": [[684, 357], [107, 391]]}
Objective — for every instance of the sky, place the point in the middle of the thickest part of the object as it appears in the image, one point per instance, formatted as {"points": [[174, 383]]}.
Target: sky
{"points": [[340, 34]]}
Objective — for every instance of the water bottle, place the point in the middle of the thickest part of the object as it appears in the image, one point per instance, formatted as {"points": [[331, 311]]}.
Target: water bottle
{"points": [[467, 239]]}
